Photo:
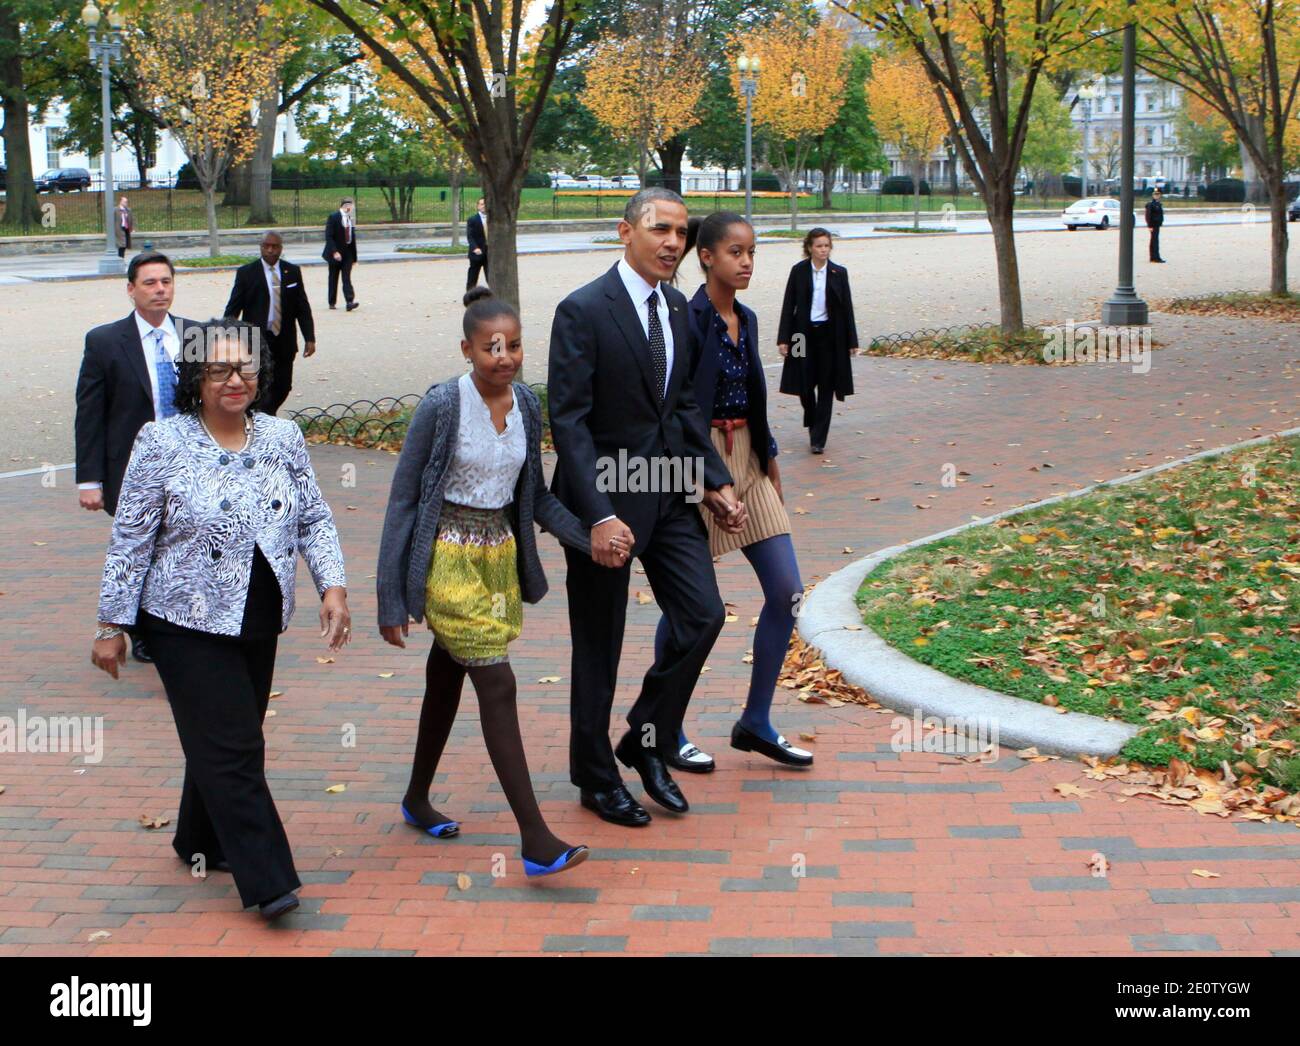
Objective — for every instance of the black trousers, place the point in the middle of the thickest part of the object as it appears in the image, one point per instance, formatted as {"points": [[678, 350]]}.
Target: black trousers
{"points": [[218, 688], [343, 268], [283, 351], [680, 572], [818, 395], [477, 262], [121, 251], [1155, 243]]}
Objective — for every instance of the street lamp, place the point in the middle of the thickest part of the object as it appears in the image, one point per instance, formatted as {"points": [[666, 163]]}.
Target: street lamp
{"points": [[748, 69], [1087, 94], [104, 50], [1124, 308]]}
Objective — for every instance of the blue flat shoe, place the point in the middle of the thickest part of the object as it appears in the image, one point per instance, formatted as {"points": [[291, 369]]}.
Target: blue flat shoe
{"points": [[570, 858], [441, 830]]}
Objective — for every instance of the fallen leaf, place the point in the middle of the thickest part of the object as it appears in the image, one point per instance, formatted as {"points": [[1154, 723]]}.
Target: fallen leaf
{"points": [[152, 821], [335, 789], [103, 935], [552, 679], [389, 675], [463, 881], [324, 661], [1073, 791], [1203, 874], [643, 599]]}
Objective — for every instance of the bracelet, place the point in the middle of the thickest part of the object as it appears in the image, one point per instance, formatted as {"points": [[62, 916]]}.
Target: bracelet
{"points": [[111, 632]]}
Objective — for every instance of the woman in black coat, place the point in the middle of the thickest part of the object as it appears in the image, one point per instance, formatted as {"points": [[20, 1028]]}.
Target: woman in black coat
{"points": [[817, 335]]}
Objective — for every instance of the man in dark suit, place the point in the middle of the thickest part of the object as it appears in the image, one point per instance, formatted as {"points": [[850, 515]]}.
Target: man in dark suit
{"points": [[476, 233], [622, 411], [1155, 216], [128, 377], [270, 293], [341, 251]]}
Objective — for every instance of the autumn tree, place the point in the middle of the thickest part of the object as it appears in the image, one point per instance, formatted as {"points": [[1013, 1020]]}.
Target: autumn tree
{"points": [[907, 116], [800, 89], [205, 73], [483, 78], [974, 52], [852, 141], [1242, 59], [643, 87]]}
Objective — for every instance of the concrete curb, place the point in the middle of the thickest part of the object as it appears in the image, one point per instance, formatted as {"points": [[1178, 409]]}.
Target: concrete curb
{"points": [[905, 685]]}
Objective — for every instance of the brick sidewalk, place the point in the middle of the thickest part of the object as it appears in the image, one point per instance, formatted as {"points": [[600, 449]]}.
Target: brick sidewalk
{"points": [[904, 853]]}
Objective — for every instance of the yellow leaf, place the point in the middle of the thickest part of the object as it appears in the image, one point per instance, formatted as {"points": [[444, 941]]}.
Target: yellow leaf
{"points": [[643, 599], [1200, 872], [919, 640], [389, 675], [463, 881], [335, 789], [552, 679], [329, 660], [730, 617], [1025, 539]]}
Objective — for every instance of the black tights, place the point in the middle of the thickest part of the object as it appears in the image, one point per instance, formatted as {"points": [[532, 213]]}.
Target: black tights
{"points": [[495, 687]]}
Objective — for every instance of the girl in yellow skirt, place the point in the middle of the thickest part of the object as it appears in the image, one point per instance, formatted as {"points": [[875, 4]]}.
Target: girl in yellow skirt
{"points": [[459, 551], [730, 390]]}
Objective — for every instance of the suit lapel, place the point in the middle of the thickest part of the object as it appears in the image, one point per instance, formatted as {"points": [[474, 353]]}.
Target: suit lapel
{"points": [[625, 315], [132, 348]]}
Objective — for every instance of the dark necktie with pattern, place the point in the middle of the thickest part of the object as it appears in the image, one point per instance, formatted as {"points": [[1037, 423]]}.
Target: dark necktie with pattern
{"points": [[658, 349]]}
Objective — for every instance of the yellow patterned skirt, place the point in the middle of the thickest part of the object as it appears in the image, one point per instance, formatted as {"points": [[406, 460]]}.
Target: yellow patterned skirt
{"points": [[471, 597]]}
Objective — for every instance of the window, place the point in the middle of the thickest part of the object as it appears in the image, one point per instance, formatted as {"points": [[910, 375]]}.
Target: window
{"points": [[354, 95], [1151, 136], [52, 157]]}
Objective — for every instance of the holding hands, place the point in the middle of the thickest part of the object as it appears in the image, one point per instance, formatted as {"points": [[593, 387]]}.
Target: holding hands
{"points": [[730, 514], [611, 543]]}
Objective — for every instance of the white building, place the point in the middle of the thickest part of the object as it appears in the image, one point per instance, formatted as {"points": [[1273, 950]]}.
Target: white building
{"points": [[1157, 153]]}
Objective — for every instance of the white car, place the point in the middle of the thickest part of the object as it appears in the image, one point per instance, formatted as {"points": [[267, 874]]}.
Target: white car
{"points": [[625, 181], [1099, 212]]}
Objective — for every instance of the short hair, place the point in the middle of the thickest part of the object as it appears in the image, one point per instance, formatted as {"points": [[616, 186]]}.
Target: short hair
{"points": [[482, 305], [147, 258], [346, 199], [190, 371], [815, 234], [644, 198], [272, 232]]}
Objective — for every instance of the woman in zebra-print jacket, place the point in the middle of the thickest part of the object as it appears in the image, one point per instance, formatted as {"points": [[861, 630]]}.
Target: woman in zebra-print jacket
{"points": [[216, 502]]}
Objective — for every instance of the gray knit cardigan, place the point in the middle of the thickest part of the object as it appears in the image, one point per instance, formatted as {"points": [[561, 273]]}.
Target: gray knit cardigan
{"points": [[415, 503]]}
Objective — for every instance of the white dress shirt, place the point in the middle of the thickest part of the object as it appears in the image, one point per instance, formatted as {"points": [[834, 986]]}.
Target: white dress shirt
{"points": [[639, 291], [486, 463], [270, 271], [347, 226], [171, 342], [818, 312]]}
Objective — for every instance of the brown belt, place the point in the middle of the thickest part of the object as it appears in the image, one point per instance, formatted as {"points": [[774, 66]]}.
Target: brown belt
{"points": [[729, 425]]}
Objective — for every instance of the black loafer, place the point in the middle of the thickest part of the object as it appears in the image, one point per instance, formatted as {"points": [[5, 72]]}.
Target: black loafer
{"points": [[280, 906], [817, 450], [616, 806], [659, 784], [353, 305], [780, 750], [680, 761], [139, 651]]}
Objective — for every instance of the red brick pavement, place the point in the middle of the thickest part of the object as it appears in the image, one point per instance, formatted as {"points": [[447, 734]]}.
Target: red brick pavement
{"points": [[902, 853]]}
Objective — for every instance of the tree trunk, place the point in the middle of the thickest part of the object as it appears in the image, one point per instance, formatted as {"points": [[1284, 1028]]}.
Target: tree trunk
{"points": [[670, 162], [21, 207], [214, 238], [828, 168], [259, 187], [1000, 205], [1277, 201], [501, 187]]}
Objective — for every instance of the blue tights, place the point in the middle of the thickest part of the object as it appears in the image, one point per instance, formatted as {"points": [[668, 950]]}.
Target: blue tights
{"points": [[774, 562]]}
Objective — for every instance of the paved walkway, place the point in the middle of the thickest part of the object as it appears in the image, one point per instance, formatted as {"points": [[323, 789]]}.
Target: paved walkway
{"points": [[901, 852]]}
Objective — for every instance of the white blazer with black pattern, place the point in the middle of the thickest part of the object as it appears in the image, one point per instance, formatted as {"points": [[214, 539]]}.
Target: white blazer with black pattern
{"points": [[190, 513]]}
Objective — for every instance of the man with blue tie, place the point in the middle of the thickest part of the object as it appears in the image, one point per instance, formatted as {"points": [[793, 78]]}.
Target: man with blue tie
{"points": [[128, 377]]}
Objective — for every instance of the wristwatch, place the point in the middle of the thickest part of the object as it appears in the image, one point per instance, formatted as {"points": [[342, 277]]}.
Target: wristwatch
{"points": [[109, 632]]}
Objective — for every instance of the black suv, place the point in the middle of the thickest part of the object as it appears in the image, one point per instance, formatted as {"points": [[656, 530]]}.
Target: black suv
{"points": [[67, 179]]}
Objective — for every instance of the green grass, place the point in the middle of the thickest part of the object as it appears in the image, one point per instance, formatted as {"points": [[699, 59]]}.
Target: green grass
{"points": [[158, 210], [980, 344], [1172, 603], [207, 262], [924, 230]]}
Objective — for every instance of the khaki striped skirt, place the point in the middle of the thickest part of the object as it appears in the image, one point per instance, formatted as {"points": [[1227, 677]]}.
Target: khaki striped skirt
{"points": [[766, 515]]}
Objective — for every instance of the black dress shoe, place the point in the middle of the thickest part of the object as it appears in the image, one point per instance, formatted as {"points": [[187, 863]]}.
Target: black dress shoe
{"points": [[139, 651], [353, 305], [658, 783], [616, 806], [781, 750], [817, 450], [280, 906]]}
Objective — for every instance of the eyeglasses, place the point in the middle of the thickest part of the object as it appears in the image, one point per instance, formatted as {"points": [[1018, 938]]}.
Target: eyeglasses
{"points": [[220, 372]]}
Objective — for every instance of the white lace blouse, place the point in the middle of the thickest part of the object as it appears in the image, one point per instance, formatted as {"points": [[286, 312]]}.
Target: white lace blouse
{"points": [[486, 463]]}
